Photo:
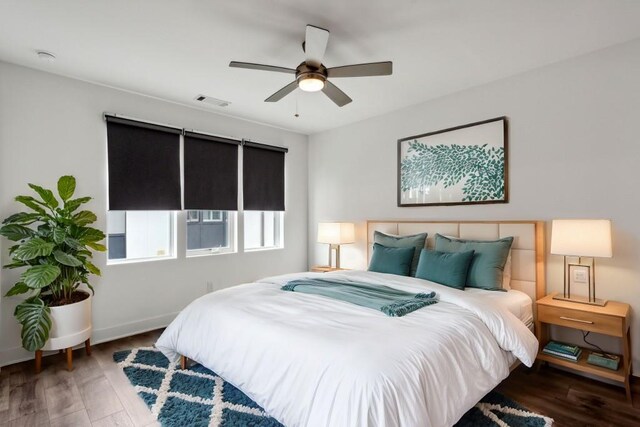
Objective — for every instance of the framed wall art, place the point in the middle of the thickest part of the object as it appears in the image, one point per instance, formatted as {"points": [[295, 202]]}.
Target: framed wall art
{"points": [[456, 166]]}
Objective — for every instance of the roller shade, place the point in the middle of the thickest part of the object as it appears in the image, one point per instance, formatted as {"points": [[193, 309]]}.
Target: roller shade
{"points": [[210, 172], [144, 165], [263, 177]]}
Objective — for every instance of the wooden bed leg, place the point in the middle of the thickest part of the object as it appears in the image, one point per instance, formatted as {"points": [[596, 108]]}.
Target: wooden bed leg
{"points": [[38, 361], [183, 362], [87, 346]]}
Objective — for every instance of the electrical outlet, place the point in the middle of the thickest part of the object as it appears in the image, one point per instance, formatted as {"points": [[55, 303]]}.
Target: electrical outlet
{"points": [[580, 276], [209, 287]]}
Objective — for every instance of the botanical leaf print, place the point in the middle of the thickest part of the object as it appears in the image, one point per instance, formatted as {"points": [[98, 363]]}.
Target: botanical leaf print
{"points": [[479, 167]]}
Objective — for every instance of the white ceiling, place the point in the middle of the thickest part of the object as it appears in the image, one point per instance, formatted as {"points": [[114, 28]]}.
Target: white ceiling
{"points": [[176, 50]]}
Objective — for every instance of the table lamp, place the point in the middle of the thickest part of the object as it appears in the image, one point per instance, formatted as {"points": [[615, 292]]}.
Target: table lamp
{"points": [[336, 234], [581, 238]]}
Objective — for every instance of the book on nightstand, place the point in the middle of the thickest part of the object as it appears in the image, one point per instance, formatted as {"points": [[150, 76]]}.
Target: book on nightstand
{"points": [[562, 348], [563, 351], [573, 358]]}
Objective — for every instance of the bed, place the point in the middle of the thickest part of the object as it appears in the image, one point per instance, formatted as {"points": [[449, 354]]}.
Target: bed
{"points": [[314, 361]]}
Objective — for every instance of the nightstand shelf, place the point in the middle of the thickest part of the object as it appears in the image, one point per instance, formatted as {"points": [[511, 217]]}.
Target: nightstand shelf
{"points": [[582, 366], [614, 319]]}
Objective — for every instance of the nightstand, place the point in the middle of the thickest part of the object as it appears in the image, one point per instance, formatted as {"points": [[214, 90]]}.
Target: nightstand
{"points": [[614, 319], [325, 269]]}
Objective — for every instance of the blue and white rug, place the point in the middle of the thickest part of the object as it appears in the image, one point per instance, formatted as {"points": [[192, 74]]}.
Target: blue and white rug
{"points": [[197, 397]]}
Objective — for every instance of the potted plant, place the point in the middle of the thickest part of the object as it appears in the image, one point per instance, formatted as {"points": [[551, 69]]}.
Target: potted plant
{"points": [[54, 242]]}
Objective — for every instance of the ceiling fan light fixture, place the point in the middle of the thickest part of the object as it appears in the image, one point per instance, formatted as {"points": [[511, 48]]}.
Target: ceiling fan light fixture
{"points": [[313, 76], [311, 83]]}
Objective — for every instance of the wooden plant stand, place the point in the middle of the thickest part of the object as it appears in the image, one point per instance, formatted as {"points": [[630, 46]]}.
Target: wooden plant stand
{"points": [[69, 353]]}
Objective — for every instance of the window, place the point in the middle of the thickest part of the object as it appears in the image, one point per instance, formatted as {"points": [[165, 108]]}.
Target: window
{"points": [[210, 232], [140, 235], [193, 216], [211, 216], [263, 230]]}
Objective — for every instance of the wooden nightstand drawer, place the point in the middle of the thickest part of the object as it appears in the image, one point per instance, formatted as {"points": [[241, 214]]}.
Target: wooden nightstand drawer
{"points": [[600, 323]]}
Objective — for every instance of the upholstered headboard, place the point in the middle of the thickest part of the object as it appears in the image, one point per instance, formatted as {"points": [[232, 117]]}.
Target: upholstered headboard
{"points": [[527, 251]]}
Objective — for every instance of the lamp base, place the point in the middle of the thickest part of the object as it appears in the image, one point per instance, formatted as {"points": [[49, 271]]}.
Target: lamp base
{"points": [[582, 300]]}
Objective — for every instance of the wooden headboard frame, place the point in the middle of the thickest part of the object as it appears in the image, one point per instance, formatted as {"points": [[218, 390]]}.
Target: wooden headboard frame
{"points": [[528, 248]]}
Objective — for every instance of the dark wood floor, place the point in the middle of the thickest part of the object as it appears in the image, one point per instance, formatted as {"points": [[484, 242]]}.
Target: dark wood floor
{"points": [[96, 393], [572, 400]]}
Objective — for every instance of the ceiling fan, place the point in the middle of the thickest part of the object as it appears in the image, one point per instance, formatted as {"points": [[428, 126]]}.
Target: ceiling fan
{"points": [[312, 75]]}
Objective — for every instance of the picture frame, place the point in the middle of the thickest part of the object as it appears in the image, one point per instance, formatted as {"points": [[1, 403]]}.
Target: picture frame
{"points": [[462, 165]]}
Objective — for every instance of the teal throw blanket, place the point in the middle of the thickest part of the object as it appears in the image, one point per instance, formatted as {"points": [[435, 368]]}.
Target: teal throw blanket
{"points": [[390, 301]]}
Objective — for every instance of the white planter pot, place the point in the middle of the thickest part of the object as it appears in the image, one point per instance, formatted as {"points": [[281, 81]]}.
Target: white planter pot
{"points": [[70, 325]]}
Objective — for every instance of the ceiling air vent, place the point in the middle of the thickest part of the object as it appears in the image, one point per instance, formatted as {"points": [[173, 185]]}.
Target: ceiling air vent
{"points": [[212, 101]]}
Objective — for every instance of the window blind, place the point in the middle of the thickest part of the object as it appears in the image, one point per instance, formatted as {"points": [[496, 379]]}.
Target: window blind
{"points": [[144, 165], [263, 177], [210, 172]]}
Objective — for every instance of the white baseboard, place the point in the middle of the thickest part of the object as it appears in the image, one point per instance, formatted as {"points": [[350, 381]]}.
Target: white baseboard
{"points": [[13, 355]]}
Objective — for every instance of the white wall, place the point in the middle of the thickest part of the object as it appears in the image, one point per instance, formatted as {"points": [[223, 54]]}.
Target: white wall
{"points": [[574, 151], [51, 126]]}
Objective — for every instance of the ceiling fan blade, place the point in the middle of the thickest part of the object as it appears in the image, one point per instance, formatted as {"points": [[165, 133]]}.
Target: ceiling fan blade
{"points": [[282, 92], [362, 70], [315, 43], [336, 95], [250, 66]]}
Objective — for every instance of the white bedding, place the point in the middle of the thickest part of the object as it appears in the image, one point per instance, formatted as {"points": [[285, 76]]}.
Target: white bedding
{"points": [[517, 302], [309, 360]]}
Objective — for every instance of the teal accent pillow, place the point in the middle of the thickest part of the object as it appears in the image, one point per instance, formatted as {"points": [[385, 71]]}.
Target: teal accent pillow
{"points": [[487, 267], [447, 268], [391, 260], [416, 241]]}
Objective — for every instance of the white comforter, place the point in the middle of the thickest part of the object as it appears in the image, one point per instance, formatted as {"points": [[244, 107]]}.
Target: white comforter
{"points": [[309, 360]]}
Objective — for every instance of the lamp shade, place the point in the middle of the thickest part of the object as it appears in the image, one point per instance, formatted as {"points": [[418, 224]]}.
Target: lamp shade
{"points": [[336, 233], [581, 237]]}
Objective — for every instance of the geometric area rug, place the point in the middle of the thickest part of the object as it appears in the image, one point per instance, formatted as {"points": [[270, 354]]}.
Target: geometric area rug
{"points": [[198, 397]]}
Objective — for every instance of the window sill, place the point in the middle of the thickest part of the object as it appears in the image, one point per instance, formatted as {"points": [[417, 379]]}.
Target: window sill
{"points": [[138, 260], [273, 248], [197, 253]]}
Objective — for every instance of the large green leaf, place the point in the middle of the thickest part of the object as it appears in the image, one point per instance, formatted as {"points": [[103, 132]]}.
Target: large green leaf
{"points": [[97, 247], [40, 276], [22, 218], [66, 259], [16, 232], [17, 289], [72, 205], [66, 187], [72, 243], [85, 217], [59, 235], [44, 230], [91, 235], [47, 196], [35, 318], [16, 264], [30, 202], [92, 268], [33, 248]]}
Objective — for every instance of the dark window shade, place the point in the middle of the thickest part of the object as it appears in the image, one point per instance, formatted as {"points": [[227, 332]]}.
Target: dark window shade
{"points": [[263, 177], [210, 172], [144, 166]]}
